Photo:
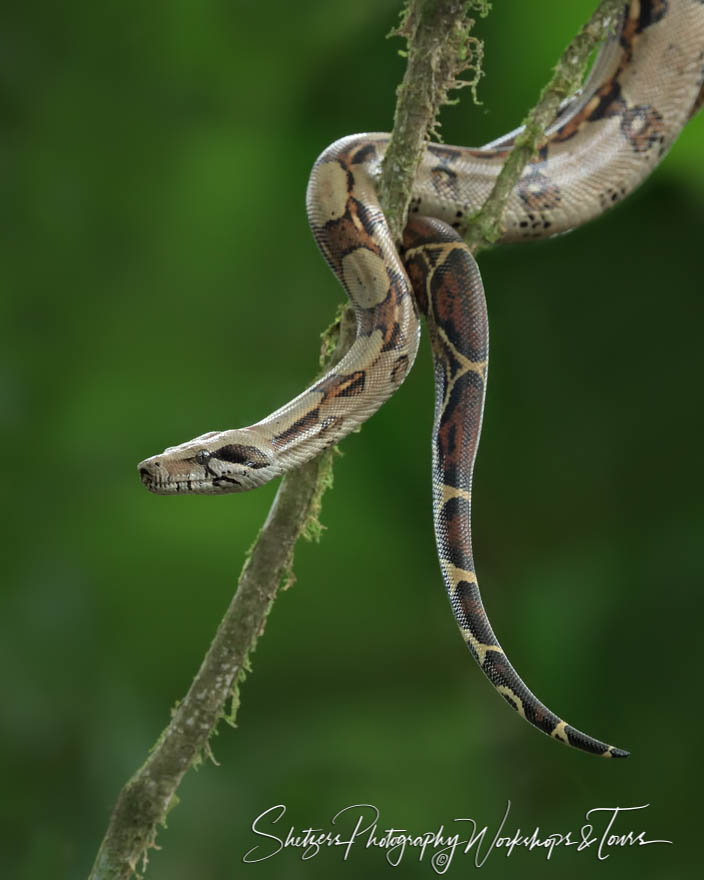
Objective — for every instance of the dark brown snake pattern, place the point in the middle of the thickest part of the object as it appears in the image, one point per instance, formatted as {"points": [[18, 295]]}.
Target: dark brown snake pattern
{"points": [[644, 85], [450, 293]]}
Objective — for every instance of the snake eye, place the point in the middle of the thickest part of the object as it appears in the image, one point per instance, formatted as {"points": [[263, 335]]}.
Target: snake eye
{"points": [[202, 456]]}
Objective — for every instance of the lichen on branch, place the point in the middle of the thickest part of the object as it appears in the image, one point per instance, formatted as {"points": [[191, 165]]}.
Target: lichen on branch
{"points": [[440, 49]]}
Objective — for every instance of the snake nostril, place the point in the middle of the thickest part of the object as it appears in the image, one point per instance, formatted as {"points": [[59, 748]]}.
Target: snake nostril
{"points": [[149, 470]]}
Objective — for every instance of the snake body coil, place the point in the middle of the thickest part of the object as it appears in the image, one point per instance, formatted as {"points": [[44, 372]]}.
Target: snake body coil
{"points": [[644, 85]]}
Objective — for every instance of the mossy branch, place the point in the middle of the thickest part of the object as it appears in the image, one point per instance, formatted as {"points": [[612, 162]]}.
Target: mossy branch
{"points": [[146, 799], [440, 49], [486, 227]]}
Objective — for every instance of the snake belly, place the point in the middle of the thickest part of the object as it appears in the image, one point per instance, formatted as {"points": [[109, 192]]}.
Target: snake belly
{"points": [[645, 84]]}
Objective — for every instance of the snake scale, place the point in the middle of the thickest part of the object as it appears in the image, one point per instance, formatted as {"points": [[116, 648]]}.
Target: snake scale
{"points": [[644, 85]]}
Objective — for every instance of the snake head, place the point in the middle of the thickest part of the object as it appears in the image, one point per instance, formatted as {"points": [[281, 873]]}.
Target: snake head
{"points": [[215, 463]]}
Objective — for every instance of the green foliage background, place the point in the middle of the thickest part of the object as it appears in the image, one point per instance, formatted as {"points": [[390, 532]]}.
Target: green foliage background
{"points": [[160, 280]]}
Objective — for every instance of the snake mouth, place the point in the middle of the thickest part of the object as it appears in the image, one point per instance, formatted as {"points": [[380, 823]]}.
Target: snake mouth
{"points": [[186, 486], [168, 486], [157, 480]]}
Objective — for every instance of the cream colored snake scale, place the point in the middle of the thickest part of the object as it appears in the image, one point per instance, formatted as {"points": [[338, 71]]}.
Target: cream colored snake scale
{"points": [[644, 85]]}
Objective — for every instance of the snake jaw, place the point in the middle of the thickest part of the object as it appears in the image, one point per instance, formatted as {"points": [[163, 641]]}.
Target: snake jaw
{"points": [[214, 464], [173, 474]]}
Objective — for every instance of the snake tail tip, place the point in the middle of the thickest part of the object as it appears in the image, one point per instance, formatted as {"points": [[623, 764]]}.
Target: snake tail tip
{"points": [[619, 753]]}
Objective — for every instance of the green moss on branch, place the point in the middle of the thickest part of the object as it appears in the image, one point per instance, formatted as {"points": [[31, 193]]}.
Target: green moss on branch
{"points": [[440, 49]]}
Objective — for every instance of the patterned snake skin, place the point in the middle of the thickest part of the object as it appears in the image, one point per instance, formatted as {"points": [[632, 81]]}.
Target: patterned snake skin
{"points": [[644, 85]]}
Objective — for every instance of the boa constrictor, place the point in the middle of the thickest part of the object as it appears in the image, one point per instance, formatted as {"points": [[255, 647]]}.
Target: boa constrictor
{"points": [[643, 87]]}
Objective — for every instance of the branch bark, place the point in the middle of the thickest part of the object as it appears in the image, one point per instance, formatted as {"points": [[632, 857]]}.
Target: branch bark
{"points": [[436, 30], [440, 49]]}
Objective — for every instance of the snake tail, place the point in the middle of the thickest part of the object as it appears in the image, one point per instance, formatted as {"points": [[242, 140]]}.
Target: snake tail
{"points": [[449, 290]]}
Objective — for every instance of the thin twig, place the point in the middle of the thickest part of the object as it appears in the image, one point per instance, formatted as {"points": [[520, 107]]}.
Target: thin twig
{"points": [[486, 227]]}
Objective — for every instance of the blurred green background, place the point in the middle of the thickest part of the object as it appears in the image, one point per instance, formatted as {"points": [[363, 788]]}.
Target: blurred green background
{"points": [[160, 280]]}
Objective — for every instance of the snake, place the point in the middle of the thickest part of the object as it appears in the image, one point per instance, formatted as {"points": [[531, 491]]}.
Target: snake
{"points": [[646, 82]]}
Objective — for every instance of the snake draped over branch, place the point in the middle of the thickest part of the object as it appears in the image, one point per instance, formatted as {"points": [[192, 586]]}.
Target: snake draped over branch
{"points": [[644, 85]]}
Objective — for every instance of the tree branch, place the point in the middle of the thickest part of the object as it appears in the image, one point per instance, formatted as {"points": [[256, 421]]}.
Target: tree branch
{"points": [[486, 227], [146, 799], [437, 33], [440, 48]]}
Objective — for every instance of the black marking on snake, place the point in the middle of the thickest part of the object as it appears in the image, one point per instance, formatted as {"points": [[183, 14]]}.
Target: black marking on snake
{"points": [[444, 181], [416, 267], [611, 195], [237, 453], [455, 546], [457, 434], [221, 480], [337, 385], [350, 177], [300, 426], [468, 599], [651, 11], [487, 155], [538, 191], [643, 127], [609, 103], [499, 672], [451, 365], [399, 369], [342, 237], [445, 154], [432, 255], [392, 337], [329, 424], [366, 215], [384, 317], [455, 312], [457, 556], [363, 154]]}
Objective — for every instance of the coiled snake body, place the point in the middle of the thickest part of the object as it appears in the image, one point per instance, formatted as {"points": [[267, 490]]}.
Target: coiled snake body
{"points": [[644, 85]]}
